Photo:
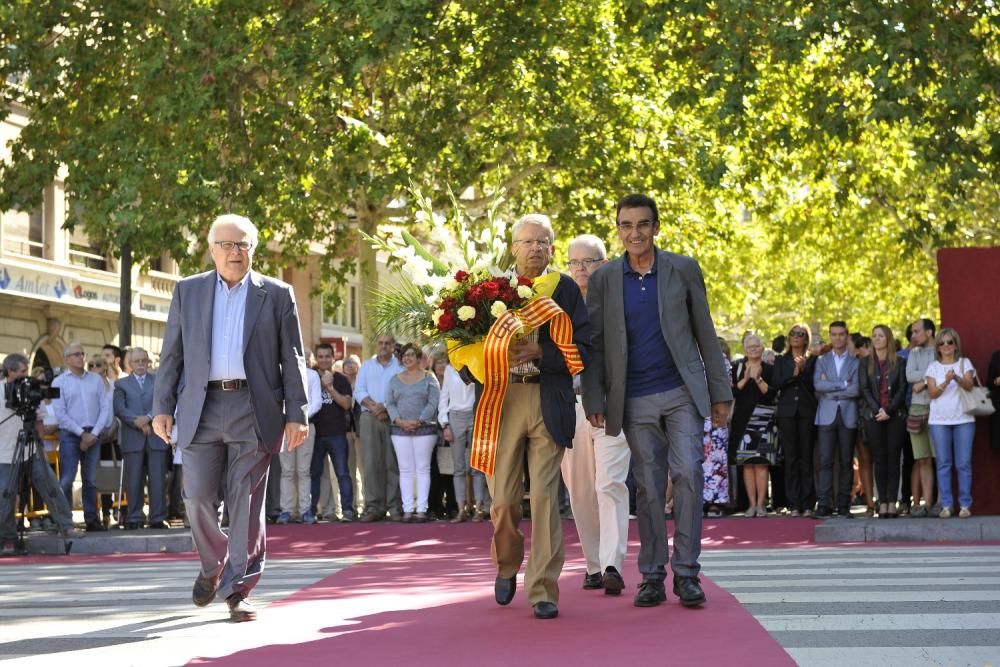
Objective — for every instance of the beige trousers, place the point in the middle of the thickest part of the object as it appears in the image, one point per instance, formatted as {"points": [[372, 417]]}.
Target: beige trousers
{"points": [[522, 432]]}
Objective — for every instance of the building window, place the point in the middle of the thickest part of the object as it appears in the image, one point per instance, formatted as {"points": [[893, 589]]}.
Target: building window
{"points": [[346, 314], [83, 252], [24, 233]]}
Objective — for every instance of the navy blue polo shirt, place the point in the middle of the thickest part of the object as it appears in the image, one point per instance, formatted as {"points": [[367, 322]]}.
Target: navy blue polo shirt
{"points": [[651, 367]]}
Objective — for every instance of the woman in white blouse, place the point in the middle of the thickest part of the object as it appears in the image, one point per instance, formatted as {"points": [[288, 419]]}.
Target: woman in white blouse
{"points": [[952, 431]]}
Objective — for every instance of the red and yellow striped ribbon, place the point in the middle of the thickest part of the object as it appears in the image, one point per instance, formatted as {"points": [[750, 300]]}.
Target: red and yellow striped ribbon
{"points": [[486, 429]]}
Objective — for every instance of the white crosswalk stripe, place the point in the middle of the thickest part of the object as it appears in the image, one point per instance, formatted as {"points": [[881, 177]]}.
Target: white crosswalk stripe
{"points": [[871, 606], [54, 611]]}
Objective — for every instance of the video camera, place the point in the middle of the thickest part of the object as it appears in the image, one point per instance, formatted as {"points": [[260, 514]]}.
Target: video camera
{"points": [[24, 395]]}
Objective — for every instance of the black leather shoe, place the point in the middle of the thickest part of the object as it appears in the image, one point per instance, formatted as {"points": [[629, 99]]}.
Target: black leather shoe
{"points": [[158, 525], [592, 581], [822, 513], [845, 513], [131, 526], [651, 593], [371, 517], [239, 609], [204, 590], [612, 582], [504, 589], [688, 589], [95, 527], [545, 610]]}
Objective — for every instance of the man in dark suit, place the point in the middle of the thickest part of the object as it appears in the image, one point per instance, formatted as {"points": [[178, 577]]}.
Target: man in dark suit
{"points": [[134, 407], [233, 341], [657, 371], [538, 421]]}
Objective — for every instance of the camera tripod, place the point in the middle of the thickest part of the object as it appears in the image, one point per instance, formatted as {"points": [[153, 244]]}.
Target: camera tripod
{"points": [[28, 446]]}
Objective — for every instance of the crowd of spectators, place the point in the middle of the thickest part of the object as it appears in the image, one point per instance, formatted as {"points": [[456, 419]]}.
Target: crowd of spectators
{"points": [[816, 428]]}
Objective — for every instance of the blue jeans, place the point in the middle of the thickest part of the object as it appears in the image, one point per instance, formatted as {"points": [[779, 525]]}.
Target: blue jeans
{"points": [[337, 448], [70, 457], [953, 445]]}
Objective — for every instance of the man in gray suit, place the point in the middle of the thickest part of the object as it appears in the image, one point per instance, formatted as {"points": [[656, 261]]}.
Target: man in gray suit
{"points": [[836, 381], [657, 372], [134, 407], [232, 367]]}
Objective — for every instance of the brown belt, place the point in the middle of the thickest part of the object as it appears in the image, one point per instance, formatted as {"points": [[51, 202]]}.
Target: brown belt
{"points": [[534, 378], [227, 385]]}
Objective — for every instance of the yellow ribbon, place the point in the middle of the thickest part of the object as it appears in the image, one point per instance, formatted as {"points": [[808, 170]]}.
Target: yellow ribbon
{"points": [[496, 366]]}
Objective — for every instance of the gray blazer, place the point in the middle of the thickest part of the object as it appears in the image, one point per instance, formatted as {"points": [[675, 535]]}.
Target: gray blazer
{"points": [[272, 357], [687, 328], [131, 401], [836, 391]]}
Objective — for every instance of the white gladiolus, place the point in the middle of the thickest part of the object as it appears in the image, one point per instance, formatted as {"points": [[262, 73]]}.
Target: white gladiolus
{"points": [[498, 308], [466, 313], [524, 291]]}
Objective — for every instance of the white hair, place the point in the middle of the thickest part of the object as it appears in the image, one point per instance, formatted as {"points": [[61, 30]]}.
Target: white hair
{"points": [[592, 242], [66, 350], [232, 220], [536, 219]]}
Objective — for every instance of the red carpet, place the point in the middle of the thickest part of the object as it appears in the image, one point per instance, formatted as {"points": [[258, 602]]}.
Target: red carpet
{"points": [[423, 595]]}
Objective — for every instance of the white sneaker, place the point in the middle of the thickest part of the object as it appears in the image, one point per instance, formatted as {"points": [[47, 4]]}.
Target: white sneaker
{"points": [[964, 513], [945, 513]]}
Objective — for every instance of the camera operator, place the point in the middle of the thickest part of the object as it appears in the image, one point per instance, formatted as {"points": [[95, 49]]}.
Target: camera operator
{"points": [[15, 367]]}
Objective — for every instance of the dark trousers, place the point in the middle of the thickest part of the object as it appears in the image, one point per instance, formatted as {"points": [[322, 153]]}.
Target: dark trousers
{"points": [[797, 435], [835, 441], [886, 440], [337, 448], [905, 490]]}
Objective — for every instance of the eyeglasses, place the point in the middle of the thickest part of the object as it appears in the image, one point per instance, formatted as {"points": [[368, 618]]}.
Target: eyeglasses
{"points": [[797, 334], [534, 244], [75, 354], [89, 366], [641, 226], [229, 246], [946, 341], [584, 263]]}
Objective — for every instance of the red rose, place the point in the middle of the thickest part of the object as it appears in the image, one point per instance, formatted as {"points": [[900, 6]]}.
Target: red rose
{"points": [[447, 304], [460, 276], [508, 295], [475, 294], [446, 322], [527, 282], [491, 289]]}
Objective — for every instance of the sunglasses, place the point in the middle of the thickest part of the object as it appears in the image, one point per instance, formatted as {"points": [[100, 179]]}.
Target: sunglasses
{"points": [[95, 366], [797, 334], [947, 341]]}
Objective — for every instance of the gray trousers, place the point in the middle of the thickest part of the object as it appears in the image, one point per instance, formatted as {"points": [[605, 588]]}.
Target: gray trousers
{"points": [[45, 483], [226, 454], [135, 481], [379, 467], [664, 432], [461, 422], [836, 441]]}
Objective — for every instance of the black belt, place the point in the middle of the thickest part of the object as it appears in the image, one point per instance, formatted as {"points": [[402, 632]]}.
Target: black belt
{"points": [[534, 378], [227, 385]]}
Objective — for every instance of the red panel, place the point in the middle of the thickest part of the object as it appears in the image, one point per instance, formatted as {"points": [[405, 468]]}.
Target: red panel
{"points": [[968, 279]]}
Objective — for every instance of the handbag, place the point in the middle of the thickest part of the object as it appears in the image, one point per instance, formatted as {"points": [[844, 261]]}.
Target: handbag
{"points": [[976, 401], [446, 464]]}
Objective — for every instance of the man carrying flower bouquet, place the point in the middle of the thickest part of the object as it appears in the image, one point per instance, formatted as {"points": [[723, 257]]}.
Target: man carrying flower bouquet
{"points": [[538, 420]]}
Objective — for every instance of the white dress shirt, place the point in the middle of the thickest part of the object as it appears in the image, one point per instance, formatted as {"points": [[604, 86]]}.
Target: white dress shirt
{"points": [[455, 395], [315, 389], [373, 379], [228, 314]]}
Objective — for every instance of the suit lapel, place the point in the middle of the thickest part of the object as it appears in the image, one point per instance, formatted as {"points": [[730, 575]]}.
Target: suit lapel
{"points": [[207, 301], [664, 273], [616, 286], [256, 295]]}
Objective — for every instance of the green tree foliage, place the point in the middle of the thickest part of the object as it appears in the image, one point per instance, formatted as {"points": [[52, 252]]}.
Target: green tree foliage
{"points": [[812, 155]]}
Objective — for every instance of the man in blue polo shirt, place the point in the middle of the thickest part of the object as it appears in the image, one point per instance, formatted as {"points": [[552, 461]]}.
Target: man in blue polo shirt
{"points": [[651, 306]]}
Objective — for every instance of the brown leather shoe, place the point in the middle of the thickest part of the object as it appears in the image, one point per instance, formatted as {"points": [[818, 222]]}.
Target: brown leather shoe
{"points": [[239, 609], [204, 590]]}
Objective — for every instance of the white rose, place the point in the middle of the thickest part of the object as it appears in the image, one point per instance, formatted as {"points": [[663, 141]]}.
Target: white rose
{"points": [[513, 282], [524, 291], [437, 316], [466, 313], [498, 308]]}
